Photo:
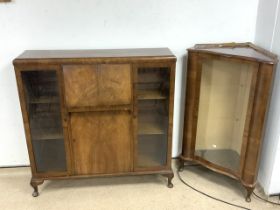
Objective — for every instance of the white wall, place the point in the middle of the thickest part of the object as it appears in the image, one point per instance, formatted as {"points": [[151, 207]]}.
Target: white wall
{"points": [[268, 36], [72, 24]]}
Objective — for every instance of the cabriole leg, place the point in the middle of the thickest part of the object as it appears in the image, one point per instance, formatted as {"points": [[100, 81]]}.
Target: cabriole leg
{"points": [[181, 165], [169, 177], [249, 193], [34, 183]]}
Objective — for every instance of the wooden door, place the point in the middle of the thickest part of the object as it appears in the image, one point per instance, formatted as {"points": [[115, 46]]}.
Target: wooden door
{"points": [[98, 98], [97, 85], [101, 142]]}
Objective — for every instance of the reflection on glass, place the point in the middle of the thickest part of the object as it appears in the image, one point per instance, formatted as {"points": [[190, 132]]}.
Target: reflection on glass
{"points": [[43, 107], [153, 100], [223, 103]]}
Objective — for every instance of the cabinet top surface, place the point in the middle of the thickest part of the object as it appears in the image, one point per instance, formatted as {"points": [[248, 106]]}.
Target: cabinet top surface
{"points": [[100, 53], [243, 50]]}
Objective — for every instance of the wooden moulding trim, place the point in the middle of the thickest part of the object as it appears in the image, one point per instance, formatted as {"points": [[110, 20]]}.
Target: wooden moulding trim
{"points": [[234, 44], [264, 51], [204, 47], [222, 45], [65, 120], [67, 61], [171, 113], [48, 177], [100, 108]]}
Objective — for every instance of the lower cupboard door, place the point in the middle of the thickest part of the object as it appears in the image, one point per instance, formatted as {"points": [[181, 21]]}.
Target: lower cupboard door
{"points": [[101, 142]]}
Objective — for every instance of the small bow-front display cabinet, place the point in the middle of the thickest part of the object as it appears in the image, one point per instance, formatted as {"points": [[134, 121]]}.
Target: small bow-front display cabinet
{"points": [[94, 113], [227, 98]]}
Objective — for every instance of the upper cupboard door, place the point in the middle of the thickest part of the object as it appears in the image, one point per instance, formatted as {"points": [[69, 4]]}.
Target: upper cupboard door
{"points": [[97, 85]]}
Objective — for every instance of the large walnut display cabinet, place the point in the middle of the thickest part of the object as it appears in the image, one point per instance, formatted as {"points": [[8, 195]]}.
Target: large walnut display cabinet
{"points": [[228, 93], [97, 112]]}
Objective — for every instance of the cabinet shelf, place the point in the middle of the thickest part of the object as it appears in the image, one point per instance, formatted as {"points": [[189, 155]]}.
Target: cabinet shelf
{"points": [[44, 100], [150, 128], [47, 136], [150, 95]]}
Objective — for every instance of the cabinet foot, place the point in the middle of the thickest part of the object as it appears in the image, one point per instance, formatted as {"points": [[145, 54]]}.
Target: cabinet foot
{"points": [[34, 183], [181, 165], [249, 193], [169, 178]]}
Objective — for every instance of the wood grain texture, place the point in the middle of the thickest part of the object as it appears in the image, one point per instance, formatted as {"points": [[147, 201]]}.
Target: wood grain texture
{"points": [[97, 85], [258, 119], [101, 142], [191, 110]]}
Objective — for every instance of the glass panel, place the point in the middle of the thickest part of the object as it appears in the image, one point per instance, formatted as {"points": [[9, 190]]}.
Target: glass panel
{"points": [[153, 101], [43, 107], [223, 103]]}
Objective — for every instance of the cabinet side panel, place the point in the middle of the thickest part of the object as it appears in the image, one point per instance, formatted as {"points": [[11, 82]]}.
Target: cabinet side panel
{"points": [[191, 108], [261, 101]]}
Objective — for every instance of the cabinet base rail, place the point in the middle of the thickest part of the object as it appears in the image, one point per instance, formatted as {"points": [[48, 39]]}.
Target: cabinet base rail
{"points": [[35, 182]]}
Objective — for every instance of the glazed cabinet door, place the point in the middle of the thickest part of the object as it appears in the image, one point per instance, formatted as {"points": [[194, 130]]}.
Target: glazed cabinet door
{"points": [[226, 91], [153, 98], [44, 127]]}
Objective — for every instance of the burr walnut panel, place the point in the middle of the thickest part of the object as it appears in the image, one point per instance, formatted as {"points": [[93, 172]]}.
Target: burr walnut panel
{"points": [[97, 85], [101, 142]]}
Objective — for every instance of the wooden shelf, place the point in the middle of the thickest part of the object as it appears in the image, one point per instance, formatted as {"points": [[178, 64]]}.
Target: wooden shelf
{"points": [[44, 100], [150, 128], [47, 135], [150, 95]]}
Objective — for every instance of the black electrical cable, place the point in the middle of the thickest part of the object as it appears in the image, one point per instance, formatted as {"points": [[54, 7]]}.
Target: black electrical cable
{"points": [[209, 196], [265, 200]]}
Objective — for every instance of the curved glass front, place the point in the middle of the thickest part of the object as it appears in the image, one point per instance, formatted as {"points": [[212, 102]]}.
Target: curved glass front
{"points": [[223, 103]]}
